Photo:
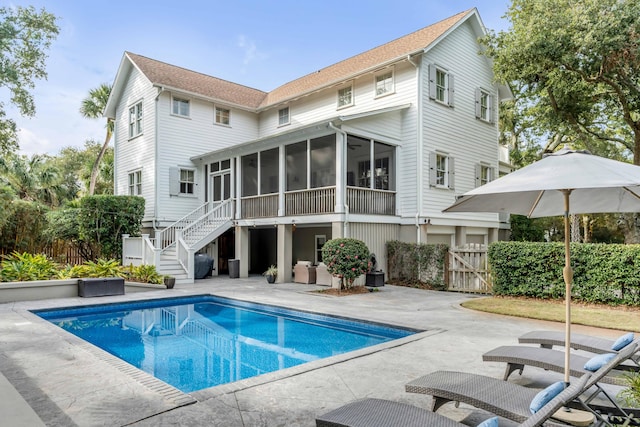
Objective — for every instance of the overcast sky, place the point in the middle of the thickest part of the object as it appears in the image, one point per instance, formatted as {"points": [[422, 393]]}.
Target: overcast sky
{"points": [[257, 43]]}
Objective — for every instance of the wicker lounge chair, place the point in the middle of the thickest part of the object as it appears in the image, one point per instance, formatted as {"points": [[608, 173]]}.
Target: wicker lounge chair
{"points": [[547, 339], [384, 413], [518, 356], [499, 397]]}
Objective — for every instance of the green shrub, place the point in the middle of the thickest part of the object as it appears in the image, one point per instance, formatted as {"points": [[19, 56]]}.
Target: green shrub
{"points": [[104, 268], [103, 219], [19, 267], [411, 263], [347, 259], [603, 273], [73, 272], [144, 273], [631, 394]]}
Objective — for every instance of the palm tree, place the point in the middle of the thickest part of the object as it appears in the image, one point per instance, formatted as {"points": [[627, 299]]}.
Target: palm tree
{"points": [[92, 108], [33, 179]]}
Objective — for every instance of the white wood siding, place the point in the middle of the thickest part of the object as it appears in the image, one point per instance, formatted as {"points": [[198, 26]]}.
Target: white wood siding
{"points": [[136, 153], [375, 236], [455, 130], [323, 105], [181, 138]]}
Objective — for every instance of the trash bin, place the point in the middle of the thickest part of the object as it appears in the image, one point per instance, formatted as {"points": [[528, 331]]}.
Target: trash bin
{"points": [[234, 268]]}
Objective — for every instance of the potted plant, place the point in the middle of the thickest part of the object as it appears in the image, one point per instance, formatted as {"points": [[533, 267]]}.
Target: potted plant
{"points": [[169, 281], [271, 273]]}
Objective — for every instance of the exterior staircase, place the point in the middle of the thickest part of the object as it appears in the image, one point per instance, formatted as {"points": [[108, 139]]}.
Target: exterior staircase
{"points": [[178, 243], [170, 266]]}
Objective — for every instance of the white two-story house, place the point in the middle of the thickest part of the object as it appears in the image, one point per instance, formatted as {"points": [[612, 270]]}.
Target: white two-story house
{"points": [[373, 147]]}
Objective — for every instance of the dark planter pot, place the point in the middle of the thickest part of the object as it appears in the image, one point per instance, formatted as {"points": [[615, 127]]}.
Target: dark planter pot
{"points": [[98, 287], [375, 279], [169, 282], [270, 278]]}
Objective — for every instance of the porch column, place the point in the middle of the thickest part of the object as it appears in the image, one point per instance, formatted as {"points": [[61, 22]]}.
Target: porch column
{"points": [[494, 235], [341, 162], [337, 230], [236, 186], [285, 253], [282, 180], [242, 249], [461, 236]]}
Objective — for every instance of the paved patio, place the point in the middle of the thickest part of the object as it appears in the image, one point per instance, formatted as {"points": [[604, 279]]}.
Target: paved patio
{"points": [[68, 382]]}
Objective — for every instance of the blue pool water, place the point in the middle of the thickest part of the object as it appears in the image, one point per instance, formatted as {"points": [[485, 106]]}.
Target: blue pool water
{"points": [[203, 341]]}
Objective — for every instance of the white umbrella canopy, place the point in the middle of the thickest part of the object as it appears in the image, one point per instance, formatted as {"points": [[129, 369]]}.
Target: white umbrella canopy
{"points": [[597, 185], [562, 183]]}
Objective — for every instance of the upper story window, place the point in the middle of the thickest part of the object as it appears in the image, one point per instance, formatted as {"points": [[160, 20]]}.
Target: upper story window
{"points": [[441, 170], [135, 183], [187, 181], [440, 85], [484, 104], [283, 116], [135, 120], [484, 174], [180, 107], [384, 83], [345, 96], [223, 116]]}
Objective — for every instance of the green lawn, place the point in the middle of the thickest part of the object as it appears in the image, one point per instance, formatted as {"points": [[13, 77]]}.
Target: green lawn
{"points": [[622, 318]]}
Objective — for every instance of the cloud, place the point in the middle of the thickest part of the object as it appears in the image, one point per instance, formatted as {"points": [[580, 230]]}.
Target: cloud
{"points": [[251, 53], [31, 143]]}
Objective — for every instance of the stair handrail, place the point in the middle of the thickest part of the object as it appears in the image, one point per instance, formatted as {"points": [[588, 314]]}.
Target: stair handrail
{"points": [[167, 236], [220, 214]]}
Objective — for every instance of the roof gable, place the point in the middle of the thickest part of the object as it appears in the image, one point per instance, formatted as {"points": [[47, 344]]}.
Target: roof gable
{"points": [[366, 61], [173, 77], [176, 78]]}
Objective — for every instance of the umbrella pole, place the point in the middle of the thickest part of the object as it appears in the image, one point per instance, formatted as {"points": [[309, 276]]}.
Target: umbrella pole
{"points": [[567, 274]]}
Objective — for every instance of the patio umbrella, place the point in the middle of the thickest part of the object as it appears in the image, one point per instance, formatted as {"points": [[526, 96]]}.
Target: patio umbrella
{"points": [[562, 183]]}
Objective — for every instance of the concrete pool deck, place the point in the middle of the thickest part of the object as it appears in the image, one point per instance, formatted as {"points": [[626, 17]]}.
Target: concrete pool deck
{"points": [[68, 382]]}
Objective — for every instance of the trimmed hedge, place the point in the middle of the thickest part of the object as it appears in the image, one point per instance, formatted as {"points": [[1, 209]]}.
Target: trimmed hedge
{"points": [[602, 273], [417, 263]]}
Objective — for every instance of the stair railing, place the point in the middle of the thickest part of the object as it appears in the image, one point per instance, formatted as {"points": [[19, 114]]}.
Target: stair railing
{"points": [[167, 237]]}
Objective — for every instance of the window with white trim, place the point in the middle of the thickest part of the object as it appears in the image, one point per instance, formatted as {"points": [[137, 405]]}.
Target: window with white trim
{"points": [[484, 174], [283, 116], [484, 104], [180, 107], [320, 239], [441, 85], [187, 181], [135, 183], [135, 120], [441, 170], [384, 83], [223, 116], [345, 96]]}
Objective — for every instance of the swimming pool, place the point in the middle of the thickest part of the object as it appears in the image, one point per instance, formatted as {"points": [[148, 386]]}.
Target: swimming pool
{"points": [[202, 341]]}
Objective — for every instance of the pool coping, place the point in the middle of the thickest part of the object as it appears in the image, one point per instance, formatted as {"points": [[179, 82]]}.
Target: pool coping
{"points": [[180, 398]]}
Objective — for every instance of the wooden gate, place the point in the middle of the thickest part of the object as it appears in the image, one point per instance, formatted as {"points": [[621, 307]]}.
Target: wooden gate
{"points": [[468, 269]]}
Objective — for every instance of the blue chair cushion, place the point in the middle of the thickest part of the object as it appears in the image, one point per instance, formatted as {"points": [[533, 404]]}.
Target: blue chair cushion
{"points": [[490, 422], [622, 342], [597, 362], [545, 396]]}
